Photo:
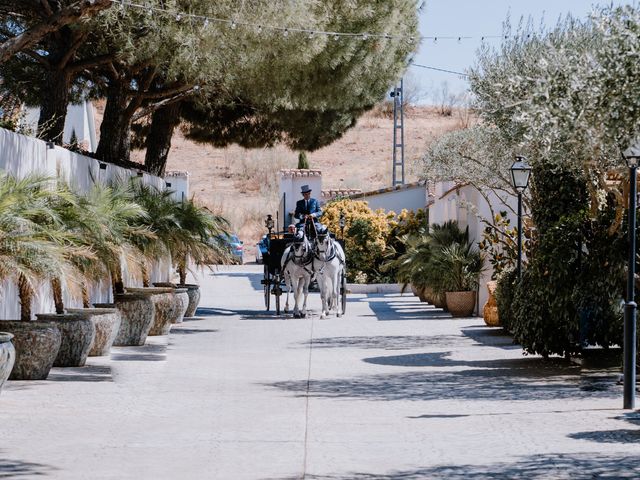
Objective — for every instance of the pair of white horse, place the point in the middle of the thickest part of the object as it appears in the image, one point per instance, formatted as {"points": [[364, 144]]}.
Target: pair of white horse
{"points": [[301, 261]]}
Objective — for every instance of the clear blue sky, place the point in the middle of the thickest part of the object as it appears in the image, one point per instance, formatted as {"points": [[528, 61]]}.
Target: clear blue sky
{"points": [[476, 18]]}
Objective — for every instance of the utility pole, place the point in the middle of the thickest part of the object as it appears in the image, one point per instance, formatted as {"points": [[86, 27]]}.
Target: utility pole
{"points": [[398, 144]]}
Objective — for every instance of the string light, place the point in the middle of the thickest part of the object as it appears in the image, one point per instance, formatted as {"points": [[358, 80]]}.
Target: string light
{"points": [[123, 4]]}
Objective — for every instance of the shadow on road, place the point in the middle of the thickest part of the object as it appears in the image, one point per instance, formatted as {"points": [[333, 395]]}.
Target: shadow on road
{"points": [[500, 380], [89, 373], [534, 467], [143, 353], [387, 307], [16, 468], [400, 342]]}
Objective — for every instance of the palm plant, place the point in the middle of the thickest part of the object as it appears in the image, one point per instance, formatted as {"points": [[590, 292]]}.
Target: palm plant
{"points": [[182, 229], [458, 267], [201, 226], [110, 221], [33, 244]]}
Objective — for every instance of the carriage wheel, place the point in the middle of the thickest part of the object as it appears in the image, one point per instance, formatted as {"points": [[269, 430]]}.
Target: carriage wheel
{"points": [[267, 288], [343, 292]]}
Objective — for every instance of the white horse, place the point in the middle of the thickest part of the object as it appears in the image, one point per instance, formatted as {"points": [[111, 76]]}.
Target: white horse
{"points": [[297, 267], [329, 264]]}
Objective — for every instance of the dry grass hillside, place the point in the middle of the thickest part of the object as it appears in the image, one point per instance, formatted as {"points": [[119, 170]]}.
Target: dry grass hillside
{"points": [[242, 184]]}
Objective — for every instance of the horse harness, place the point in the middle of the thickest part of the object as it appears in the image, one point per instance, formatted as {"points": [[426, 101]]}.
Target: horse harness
{"points": [[332, 253], [303, 260]]}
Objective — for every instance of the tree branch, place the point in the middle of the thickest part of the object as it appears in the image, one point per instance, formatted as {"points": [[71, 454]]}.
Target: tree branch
{"points": [[149, 109], [60, 19]]}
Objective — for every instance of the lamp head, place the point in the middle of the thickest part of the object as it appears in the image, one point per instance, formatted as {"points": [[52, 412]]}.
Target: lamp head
{"points": [[632, 154], [520, 172], [269, 222], [341, 222]]}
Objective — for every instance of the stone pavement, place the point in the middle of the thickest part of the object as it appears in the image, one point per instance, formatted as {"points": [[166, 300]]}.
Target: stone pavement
{"points": [[393, 390]]}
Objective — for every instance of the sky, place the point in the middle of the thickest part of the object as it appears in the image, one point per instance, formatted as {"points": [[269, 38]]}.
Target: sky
{"points": [[475, 18]]}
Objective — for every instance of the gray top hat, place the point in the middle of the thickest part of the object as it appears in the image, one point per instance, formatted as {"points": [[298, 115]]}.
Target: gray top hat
{"points": [[305, 189]]}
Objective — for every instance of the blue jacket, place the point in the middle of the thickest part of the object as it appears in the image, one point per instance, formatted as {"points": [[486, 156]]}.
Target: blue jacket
{"points": [[313, 210]]}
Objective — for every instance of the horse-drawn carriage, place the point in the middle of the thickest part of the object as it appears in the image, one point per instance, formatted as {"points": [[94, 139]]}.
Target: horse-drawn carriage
{"points": [[292, 260]]}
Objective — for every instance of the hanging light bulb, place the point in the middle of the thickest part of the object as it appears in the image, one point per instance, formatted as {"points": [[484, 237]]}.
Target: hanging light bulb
{"points": [[233, 25], [336, 37], [435, 39], [311, 34], [178, 17], [285, 33], [365, 36], [150, 12], [259, 28], [459, 39], [206, 23]]}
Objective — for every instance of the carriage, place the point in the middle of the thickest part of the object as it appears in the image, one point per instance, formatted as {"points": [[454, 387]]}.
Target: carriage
{"points": [[273, 280]]}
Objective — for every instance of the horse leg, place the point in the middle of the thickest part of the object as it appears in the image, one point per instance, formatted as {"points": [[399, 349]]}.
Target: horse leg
{"points": [[287, 283], [336, 292], [305, 291]]}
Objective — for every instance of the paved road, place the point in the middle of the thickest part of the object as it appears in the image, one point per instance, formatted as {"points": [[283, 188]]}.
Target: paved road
{"points": [[393, 390]]}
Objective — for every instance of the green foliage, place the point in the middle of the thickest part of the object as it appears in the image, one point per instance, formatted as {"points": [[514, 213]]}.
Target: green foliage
{"points": [[303, 162], [505, 296], [500, 243], [459, 267]]}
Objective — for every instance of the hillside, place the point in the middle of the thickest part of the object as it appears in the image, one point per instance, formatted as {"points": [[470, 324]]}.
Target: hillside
{"points": [[242, 184]]}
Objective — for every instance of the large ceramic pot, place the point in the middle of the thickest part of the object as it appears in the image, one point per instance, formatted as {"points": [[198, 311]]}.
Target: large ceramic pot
{"points": [[7, 356], [78, 333], [461, 304], [136, 314], [165, 307], [490, 310], [181, 301], [436, 299], [36, 345], [193, 292], [106, 322]]}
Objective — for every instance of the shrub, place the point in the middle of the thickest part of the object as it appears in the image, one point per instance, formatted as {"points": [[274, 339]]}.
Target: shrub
{"points": [[365, 234], [505, 294], [303, 162]]}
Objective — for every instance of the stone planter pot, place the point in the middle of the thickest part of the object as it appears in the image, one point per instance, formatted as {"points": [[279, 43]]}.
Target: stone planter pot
{"points": [[437, 300], [165, 306], [490, 310], [7, 356], [136, 314], [414, 290], [180, 298], [36, 346], [106, 322], [193, 292], [461, 304], [78, 333]]}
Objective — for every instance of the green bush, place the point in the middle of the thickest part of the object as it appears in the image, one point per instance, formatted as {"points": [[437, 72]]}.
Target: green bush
{"points": [[573, 272], [303, 162], [505, 294]]}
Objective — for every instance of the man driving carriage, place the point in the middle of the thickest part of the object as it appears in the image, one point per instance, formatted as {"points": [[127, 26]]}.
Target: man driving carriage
{"points": [[308, 209]]}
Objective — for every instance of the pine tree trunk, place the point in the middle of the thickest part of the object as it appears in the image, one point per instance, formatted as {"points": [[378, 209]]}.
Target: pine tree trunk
{"points": [[163, 123], [56, 289], [26, 295], [115, 134], [53, 106]]}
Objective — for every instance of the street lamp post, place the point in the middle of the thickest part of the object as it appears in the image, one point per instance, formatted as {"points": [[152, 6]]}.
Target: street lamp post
{"points": [[520, 172], [342, 224], [269, 223], [632, 155]]}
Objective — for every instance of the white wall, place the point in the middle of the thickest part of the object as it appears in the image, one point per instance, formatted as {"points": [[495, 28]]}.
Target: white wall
{"points": [[467, 206], [80, 119], [291, 181], [21, 155], [410, 198]]}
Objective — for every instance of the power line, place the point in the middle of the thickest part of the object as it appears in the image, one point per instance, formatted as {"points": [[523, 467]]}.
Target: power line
{"points": [[286, 30], [438, 69]]}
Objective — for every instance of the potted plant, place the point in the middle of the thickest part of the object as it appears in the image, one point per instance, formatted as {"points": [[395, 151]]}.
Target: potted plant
{"points": [[31, 251], [459, 267]]}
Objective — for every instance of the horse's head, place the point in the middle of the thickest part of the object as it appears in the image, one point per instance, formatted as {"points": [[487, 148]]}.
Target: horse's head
{"points": [[322, 243], [300, 246]]}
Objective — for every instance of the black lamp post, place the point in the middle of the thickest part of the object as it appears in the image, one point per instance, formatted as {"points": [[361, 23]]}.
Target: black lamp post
{"points": [[269, 223], [632, 155], [342, 224], [520, 172]]}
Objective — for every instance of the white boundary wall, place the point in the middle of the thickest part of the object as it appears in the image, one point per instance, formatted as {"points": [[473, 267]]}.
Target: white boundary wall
{"points": [[21, 155], [467, 206]]}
